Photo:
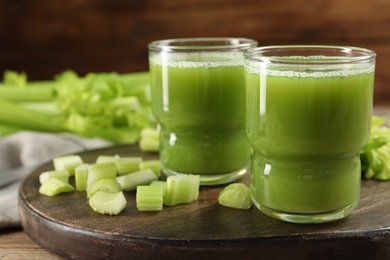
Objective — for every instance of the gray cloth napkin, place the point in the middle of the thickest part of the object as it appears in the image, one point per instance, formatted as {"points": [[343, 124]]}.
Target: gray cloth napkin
{"points": [[29, 149]]}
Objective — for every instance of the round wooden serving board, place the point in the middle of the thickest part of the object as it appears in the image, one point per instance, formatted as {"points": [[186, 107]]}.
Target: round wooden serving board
{"points": [[66, 225]]}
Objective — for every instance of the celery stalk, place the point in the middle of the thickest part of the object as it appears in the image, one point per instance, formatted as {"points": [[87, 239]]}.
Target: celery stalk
{"points": [[129, 182], [149, 198], [163, 185], [149, 140], [67, 162], [55, 186], [83, 126], [108, 203], [8, 129], [107, 185], [100, 171], [126, 165], [62, 175], [105, 158], [81, 176], [235, 195], [154, 165], [181, 189], [14, 78], [15, 114], [28, 94]]}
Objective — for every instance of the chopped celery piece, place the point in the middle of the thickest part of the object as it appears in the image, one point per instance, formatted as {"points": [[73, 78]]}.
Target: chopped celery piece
{"points": [[125, 165], [163, 185], [107, 185], [100, 171], [151, 133], [181, 189], [81, 176], [67, 162], [62, 175], [148, 145], [129, 182], [149, 198], [105, 158], [54, 187], [235, 195], [154, 165], [108, 203], [149, 140]]}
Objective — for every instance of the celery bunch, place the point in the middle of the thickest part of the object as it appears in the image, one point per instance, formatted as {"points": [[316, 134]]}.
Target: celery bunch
{"points": [[375, 156], [112, 106]]}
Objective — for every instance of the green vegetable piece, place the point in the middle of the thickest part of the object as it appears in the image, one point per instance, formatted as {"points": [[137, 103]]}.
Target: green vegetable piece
{"points": [[129, 182], [7, 129], [14, 78], [61, 175], [149, 141], [149, 198], [67, 162], [154, 165], [26, 118], [375, 156], [163, 185], [81, 177], [105, 158], [55, 186], [125, 165], [106, 105], [107, 185], [100, 171], [181, 189], [235, 195], [108, 203]]}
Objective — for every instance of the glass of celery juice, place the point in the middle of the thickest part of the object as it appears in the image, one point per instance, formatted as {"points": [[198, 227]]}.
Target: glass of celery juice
{"points": [[197, 89], [308, 114]]}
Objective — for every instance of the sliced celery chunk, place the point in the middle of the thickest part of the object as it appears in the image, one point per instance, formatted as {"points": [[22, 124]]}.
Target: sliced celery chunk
{"points": [[63, 175], [81, 176], [149, 140], [181, 189], [126, 165], [105, 158], [149, 198], [54, 187], [99, 171], [154, 165], [163, 185], [108, 203], [67, 162], [129, 182], [107, 185], [235, 195]]}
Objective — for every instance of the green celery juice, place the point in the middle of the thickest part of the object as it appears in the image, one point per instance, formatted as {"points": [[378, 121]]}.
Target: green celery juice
{"points": [[199, 104], [306, 130]]}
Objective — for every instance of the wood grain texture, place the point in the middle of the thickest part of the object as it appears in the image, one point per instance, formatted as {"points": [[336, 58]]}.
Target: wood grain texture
{"points": [[46, 37], [200, 230], [15, 244]]}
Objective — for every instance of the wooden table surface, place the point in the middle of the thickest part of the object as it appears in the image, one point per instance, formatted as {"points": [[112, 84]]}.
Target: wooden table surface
{"points": [[15, 243]]}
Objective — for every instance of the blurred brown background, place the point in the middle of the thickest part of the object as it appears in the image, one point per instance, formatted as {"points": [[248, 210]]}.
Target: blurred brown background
{"points": [[45, 37]]}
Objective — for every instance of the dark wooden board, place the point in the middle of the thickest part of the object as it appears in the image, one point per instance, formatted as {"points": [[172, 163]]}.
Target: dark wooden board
{"points": [[66, 225]]}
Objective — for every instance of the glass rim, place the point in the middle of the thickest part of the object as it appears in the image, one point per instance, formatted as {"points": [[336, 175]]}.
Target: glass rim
{"points": [[342, 54], [203, 43]]}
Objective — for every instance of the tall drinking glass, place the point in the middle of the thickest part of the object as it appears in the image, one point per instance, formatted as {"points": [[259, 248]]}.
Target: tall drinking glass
{"points": [[197, 88], [308, 114]]}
